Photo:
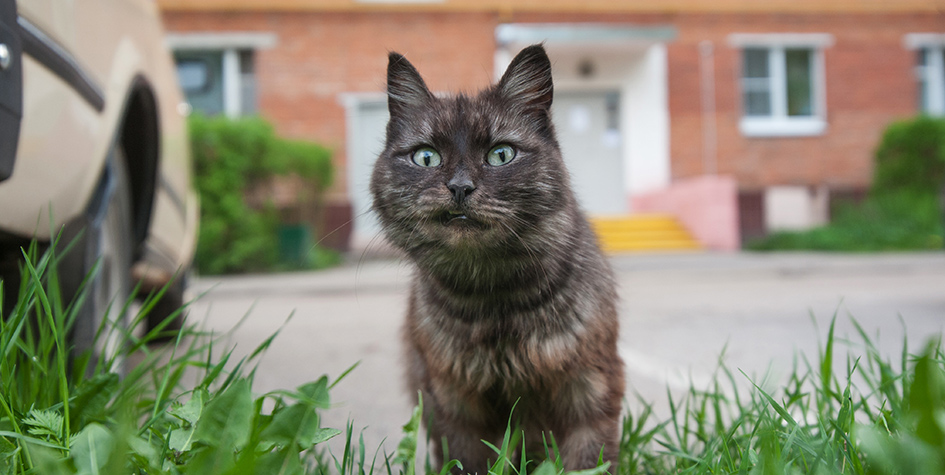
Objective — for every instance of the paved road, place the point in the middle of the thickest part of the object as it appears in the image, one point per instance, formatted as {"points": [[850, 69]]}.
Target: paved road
{"points": [[678, 312]]}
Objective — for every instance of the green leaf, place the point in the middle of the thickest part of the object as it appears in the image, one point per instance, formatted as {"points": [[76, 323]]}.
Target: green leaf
{"points": [[599, 470], [49, 462], [31, 440], [316, 393], [91, 449], [296, 426], [774, 404], [546, 468], [92, 397], [826, 360], [226, 422], [407, 448], [181, 440], [927, 400], [282, 462], [192, 409], [45, 423], [145, 452]]}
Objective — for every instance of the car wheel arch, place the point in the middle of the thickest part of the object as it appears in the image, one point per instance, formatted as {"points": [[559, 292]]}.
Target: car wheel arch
{"points": [[140, 137]]}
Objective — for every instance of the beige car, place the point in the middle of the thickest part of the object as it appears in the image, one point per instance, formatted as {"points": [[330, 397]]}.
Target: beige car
{"points": [[93, 144]]}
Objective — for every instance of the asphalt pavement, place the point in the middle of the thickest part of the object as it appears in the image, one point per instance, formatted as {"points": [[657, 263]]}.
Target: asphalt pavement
{"points": [[680, 314]]}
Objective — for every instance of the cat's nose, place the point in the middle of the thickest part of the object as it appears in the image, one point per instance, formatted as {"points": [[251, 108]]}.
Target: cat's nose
{"points": [[461, 187]]}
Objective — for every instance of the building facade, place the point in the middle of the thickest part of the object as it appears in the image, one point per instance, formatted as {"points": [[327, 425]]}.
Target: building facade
{"points": [[783, 102]]}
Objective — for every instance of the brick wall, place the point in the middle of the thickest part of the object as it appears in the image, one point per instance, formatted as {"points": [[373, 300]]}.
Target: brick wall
{"points": [[869, 83], [322, 55], [869, 79]]}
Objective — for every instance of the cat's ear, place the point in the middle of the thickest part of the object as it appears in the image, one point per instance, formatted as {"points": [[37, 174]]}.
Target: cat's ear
{"points": [[405, 87], [528, 79]]}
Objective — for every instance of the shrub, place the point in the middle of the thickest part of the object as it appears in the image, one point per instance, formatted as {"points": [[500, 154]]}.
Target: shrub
{"points": [[911, 157], [895, 221], [232, 158], [904, 208]]}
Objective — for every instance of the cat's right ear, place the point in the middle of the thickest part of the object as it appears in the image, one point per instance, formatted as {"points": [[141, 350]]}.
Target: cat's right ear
{"points": [[405, 87], [527, 80]]}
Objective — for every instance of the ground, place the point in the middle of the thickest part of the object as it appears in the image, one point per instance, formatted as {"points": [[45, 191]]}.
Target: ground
{"points": [[678, 313]]}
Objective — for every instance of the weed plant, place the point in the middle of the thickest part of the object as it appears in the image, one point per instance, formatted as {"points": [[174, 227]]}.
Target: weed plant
{"points": [[188, 408], [67, 413]]}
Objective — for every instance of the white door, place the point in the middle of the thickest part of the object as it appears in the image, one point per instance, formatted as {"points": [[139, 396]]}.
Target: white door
{"points": [[367, 125], [588, 127]]}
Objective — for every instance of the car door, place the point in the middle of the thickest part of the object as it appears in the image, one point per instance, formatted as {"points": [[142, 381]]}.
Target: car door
{"points": [[11, 87]]}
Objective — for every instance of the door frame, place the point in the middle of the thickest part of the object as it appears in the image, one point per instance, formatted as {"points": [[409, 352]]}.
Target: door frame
{"points": [[633, 60]]}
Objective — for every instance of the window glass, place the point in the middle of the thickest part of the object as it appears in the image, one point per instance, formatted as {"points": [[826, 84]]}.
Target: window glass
{"points": [[798, 71], [756, 63], [921, 74], [208, 97], [930, 75], [941, 75], [193, 75], [756, 83], [248, 82]]}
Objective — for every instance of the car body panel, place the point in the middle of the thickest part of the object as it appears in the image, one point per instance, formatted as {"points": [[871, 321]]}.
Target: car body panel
{"points": [[65, 141]]}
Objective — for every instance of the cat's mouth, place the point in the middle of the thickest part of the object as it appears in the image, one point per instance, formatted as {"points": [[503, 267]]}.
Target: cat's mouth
{"points": [[458, 218]]}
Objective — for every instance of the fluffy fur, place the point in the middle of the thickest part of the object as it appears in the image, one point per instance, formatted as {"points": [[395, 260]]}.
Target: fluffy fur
{"points": [[511, 299]]}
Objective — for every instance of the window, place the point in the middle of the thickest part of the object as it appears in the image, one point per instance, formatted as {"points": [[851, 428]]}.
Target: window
{"points": [[930, 73], [193, 75], [217, 71], [213, 85], [782, 84]]}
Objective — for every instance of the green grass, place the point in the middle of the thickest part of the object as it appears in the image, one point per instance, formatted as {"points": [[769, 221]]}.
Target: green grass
{"points": [[189, 408]]}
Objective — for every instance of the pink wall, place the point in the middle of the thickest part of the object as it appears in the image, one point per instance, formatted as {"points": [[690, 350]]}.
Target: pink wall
{"points": [[707, 206]]}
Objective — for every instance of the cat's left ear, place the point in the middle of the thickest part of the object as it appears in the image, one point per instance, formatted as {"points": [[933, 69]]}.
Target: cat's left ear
{"points": [[528, 79], [405, 87]]}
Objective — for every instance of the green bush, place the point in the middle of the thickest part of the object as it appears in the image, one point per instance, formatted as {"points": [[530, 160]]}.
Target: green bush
{"points": [[231, 158], [911, 157], [903, 210], [895, 221]]}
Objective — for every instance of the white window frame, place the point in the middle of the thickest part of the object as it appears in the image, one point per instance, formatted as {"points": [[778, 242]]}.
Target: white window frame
{"points": [[229, 44], [779, 123], [933, 72]]}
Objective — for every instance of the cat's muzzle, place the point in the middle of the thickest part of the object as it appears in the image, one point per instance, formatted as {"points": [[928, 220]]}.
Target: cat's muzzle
{"points": [[458, 217]]}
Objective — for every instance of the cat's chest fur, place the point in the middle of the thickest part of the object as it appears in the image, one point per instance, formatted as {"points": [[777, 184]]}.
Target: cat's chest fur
{"points": [[513, 321]]}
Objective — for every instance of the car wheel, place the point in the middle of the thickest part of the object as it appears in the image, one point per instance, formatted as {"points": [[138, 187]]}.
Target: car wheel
{"points": [[163, 308], [101, 324]]}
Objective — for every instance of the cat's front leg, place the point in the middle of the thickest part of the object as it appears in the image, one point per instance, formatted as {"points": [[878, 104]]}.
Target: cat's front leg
{"points": [[467, 447], [586, 445], [459, 435], [587, 414]]}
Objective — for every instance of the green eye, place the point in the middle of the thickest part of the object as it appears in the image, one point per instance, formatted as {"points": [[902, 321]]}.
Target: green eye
{"points": [[500, 155], [427, 157]]}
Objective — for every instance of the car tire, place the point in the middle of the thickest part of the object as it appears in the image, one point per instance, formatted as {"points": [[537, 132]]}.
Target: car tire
{"points": [[101, 323], [170, 302]]}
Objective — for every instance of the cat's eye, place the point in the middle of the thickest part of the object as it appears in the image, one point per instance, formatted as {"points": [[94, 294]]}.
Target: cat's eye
{"points": [[427, 157], [500, 155]]}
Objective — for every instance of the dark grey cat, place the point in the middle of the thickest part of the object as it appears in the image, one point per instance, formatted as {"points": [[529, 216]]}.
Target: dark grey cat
{"points": [[511, 299]]}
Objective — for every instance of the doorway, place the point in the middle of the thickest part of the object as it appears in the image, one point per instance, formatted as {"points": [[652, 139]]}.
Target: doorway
{"points": [[588, 128]]}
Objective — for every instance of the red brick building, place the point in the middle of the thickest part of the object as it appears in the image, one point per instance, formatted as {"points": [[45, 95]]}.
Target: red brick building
{"points": [[785, 100]]}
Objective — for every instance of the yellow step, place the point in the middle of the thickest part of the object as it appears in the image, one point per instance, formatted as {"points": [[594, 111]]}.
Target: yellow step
{"points": [[644, 232]]}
